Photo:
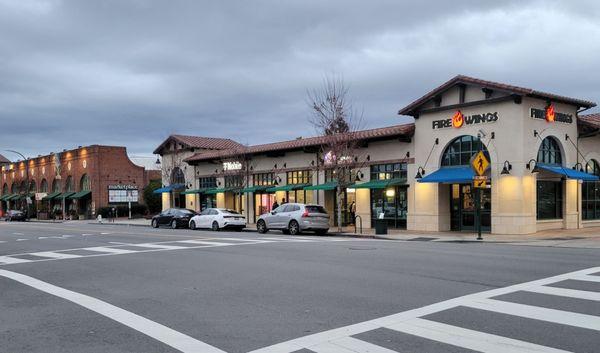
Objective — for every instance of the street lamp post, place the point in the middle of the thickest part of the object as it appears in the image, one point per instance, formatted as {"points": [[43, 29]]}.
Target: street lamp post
{"points": [[26, 178]]}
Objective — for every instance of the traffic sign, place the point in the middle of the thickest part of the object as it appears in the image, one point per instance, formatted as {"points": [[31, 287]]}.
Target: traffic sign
{"points": [[479, 183], [480, 163]]}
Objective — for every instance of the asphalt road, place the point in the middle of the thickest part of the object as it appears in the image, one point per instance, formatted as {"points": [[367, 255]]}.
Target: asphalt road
{"points": [[85, 288]]}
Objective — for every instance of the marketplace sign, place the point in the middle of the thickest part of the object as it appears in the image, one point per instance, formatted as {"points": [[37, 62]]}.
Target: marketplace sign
{"points": [[550, 115], [459, 120]]}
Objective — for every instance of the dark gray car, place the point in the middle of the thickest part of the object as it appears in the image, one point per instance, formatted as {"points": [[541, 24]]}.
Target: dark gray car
{"points": [[294, 218]]}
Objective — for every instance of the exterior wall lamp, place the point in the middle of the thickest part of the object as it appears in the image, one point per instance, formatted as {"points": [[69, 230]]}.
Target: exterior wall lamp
{"points": [[535, 168], [578, 165], [359, 176], [506, 168], [420, 173]]}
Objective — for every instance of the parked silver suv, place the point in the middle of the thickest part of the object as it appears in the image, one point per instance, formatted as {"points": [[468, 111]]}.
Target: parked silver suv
{"points": [[294, 218]]}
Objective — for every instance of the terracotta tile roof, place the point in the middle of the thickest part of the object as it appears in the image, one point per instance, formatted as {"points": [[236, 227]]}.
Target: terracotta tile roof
{"points": [[590, 120], [406, 130], [210, 143], [3, 159], [412, 108]]}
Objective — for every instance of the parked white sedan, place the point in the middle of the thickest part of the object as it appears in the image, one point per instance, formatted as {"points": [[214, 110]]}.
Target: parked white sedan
{"points": [[218, 218]]}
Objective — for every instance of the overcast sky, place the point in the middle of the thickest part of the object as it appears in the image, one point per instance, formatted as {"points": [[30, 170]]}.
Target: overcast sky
{"points": [[131, 72]]}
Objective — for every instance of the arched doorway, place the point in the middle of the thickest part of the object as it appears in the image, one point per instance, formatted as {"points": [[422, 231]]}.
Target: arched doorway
{"points": [[458, 153], [178, 178], [549, 188]]}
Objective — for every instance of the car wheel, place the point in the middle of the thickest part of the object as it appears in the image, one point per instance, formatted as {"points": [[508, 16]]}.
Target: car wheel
{"points": [[192, 225], [154, 223], [294, 228], [321, 231], [215, 226], [261, 227], [174, 224]]}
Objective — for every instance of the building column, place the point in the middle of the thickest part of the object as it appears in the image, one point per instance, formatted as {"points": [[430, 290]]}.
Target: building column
{"points": [[514, 204], [572, 204], [221, 200], [190, 202], [428, 207], [363, 207], [166, 200]]}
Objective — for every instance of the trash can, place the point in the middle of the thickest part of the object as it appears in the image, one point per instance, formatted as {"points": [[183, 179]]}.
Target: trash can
{"points": [[381, 226]]}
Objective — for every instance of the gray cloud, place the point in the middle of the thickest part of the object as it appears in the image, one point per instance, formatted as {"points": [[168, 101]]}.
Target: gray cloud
{"points": [[132, 72]]}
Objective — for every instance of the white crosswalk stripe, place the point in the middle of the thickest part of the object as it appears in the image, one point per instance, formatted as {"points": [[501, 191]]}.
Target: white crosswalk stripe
{"points": [[7, 260], [109, 250], [55, 255], [158, 246], [411, 322], [204, 242]]}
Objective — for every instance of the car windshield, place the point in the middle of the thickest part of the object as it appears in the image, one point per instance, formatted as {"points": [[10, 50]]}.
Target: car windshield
{"points": [[315, 209]]}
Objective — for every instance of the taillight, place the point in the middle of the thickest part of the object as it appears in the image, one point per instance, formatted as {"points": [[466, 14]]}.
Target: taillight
{"points": [[305, 214]]}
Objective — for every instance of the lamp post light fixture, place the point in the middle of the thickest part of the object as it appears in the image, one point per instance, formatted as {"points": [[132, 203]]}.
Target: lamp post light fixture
{"points": [[580, 167], [420, 173], [535, 168], [506, 168]]}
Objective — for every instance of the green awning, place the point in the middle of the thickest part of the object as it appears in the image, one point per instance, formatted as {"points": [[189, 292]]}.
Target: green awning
{"points": [[6, 197], [219, 190], [64, 195], [378, 184], [327, 186], [194, 191], [79, 195], [14, 197], [289, 187], [255, 188], [50, 196]]}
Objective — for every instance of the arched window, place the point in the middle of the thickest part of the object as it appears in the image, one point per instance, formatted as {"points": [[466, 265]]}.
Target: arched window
{"points": [[69, 184], [592, 167], [461, 149], [14, 188], [177, 176], [55, 185], [84, 184], [5, 189], [23, 187], [32, 186], [590, 190], [549, 152], [44, 186]]}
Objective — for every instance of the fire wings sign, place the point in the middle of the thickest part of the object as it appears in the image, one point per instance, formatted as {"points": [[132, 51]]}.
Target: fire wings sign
{"points": [[458, 120], [550, 115]]}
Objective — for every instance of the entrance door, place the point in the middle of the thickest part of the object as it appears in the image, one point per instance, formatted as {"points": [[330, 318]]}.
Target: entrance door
{"points": [[462, 208]]}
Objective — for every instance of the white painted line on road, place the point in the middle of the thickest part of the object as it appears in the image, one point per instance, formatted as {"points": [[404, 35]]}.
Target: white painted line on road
{"points": [[164, 334], [85, 234], [203, 242], [537, 313], [42, 237], [55, 255], [18, 234], [566, 292], [470, 339], [159, 246], [350, 345], [110, 250], [117, 243], [105, 233], [587, 278], [11, 260], [287, 239], [21, 239], [253, 240]]}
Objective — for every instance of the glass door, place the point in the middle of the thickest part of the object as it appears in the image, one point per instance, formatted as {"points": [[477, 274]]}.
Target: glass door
{"points": [[462, 208]]}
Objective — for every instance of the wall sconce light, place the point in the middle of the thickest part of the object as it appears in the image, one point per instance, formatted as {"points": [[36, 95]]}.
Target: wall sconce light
{"points": [[359, 176], [535, 168], [368, 157], [506, 168], [251, 167], [535, 133], [312, 163], [578, 165], [420, 173], [407, 154], [275, 166], [219, 183]]}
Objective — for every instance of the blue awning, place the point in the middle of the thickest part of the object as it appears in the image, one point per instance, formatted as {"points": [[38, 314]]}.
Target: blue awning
{"points": [[449, 175], [169, 188], [569, 173]]}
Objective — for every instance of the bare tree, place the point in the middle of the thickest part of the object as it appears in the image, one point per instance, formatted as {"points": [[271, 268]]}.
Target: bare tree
{"points": [[334, 117]]}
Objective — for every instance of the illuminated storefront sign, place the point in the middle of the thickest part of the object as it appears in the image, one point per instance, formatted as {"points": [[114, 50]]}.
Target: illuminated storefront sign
{"points": [[458, 120], [232, 165], [550, 115]]}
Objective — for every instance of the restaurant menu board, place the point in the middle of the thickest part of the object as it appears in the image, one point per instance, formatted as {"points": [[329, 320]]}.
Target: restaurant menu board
{"points": [[122, 193]]}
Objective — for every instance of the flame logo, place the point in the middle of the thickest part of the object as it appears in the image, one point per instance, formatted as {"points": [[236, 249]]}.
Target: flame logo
{"points": [[458, 119], [550, 113]]}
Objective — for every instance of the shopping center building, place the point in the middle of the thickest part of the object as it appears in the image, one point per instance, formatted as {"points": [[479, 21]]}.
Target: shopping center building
{"points": [[73, 183], [543, 166]]}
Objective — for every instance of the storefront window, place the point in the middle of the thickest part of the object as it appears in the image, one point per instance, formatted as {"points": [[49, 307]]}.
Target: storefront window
{"points": [[207, 183], [299, 177], [32, 187], [264, 179], [55, 185], [461, 149], [330, 175], [207, 201], [392, 202], [591, 193], [549, 199], [69, 184], [233, 181], [388, 171], [549, 152]]}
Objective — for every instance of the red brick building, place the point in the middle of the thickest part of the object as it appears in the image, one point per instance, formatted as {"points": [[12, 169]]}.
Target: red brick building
{"points": [[78, 181]]}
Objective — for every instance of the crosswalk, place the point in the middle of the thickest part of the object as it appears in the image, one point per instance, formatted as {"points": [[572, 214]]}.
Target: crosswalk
{"points": [[416, 322], [136, 248]]}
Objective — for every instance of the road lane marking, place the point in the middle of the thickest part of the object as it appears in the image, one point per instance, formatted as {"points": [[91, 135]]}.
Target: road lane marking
{"points": [[18, 234], [538, 313], [110, 250], [161, 333], [402, 321], [349, 345], [12, 260], [470, 339], [587, 278], [159, 246], [55, 255], [203, 242], [566, 292], [287, 239], [21, 239]]}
